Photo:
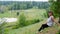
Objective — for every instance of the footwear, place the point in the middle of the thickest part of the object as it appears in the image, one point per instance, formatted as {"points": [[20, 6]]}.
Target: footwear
{"points": [[41, 31]]}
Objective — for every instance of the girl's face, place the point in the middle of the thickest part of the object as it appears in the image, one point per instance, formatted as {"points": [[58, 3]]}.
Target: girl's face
{"points": [[49, 14]]}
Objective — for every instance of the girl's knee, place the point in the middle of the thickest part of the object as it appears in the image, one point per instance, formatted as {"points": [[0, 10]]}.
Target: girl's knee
{"points": [[42, 24]]}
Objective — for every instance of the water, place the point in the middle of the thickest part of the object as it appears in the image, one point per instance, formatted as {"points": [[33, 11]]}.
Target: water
{"points": [[8, 20]]}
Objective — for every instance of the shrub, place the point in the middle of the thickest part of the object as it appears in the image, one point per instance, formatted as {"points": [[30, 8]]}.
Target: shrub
{"points": [[24, 22], [15, 27], [22, 19], [35, 21]]}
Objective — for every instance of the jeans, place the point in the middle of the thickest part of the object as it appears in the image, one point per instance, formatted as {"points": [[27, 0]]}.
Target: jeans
{"points": [[43, 26]]}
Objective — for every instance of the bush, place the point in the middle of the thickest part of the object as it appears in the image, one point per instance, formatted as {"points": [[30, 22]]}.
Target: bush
{"points": [[22, 19], [24, 22], [15, 27], [28, 22], [35, 21]]}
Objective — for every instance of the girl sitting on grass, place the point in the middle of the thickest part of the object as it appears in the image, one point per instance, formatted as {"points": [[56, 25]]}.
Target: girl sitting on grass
{"points": [[49, 22]]}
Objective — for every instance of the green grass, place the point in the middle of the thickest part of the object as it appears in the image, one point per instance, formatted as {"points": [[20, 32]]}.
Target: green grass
{"points": [[29, 12], [8, 14], [31, 29], [34, 13]]}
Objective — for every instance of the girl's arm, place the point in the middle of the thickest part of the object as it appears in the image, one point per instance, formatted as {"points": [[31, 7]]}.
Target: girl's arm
{"points": [[52, 18]]}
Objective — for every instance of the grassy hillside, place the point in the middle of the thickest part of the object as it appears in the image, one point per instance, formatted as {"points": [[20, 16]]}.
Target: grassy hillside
{"points": [[32, 29], [30, 15]]}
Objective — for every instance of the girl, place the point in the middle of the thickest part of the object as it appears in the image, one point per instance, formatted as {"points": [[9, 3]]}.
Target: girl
{"points": [[49, 22]]}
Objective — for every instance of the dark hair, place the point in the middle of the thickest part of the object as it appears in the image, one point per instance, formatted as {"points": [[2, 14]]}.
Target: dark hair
{"points": [[50, 12]]}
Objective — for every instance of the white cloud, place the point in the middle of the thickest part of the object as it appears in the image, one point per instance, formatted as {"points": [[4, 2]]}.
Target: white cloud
{"points": [[25, 0]]}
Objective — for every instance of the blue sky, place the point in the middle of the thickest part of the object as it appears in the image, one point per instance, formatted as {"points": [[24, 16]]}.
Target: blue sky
{"points": [[25, 0]]}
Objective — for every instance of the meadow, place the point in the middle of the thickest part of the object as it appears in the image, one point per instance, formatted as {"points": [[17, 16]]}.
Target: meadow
{"points": [[30, 14], [32, 28]]}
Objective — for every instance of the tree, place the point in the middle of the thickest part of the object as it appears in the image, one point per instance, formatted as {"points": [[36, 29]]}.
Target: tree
{"points": [[55, 7]]}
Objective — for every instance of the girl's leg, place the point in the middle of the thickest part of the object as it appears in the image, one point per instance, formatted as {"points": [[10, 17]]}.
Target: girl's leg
{"points": [[43, 26]]}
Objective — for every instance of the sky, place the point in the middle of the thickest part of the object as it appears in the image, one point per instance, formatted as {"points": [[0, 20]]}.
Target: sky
{"points": [[25, 0]]}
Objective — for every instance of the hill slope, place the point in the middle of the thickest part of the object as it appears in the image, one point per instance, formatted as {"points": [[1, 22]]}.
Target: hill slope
{"points": [[32, 29]]}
